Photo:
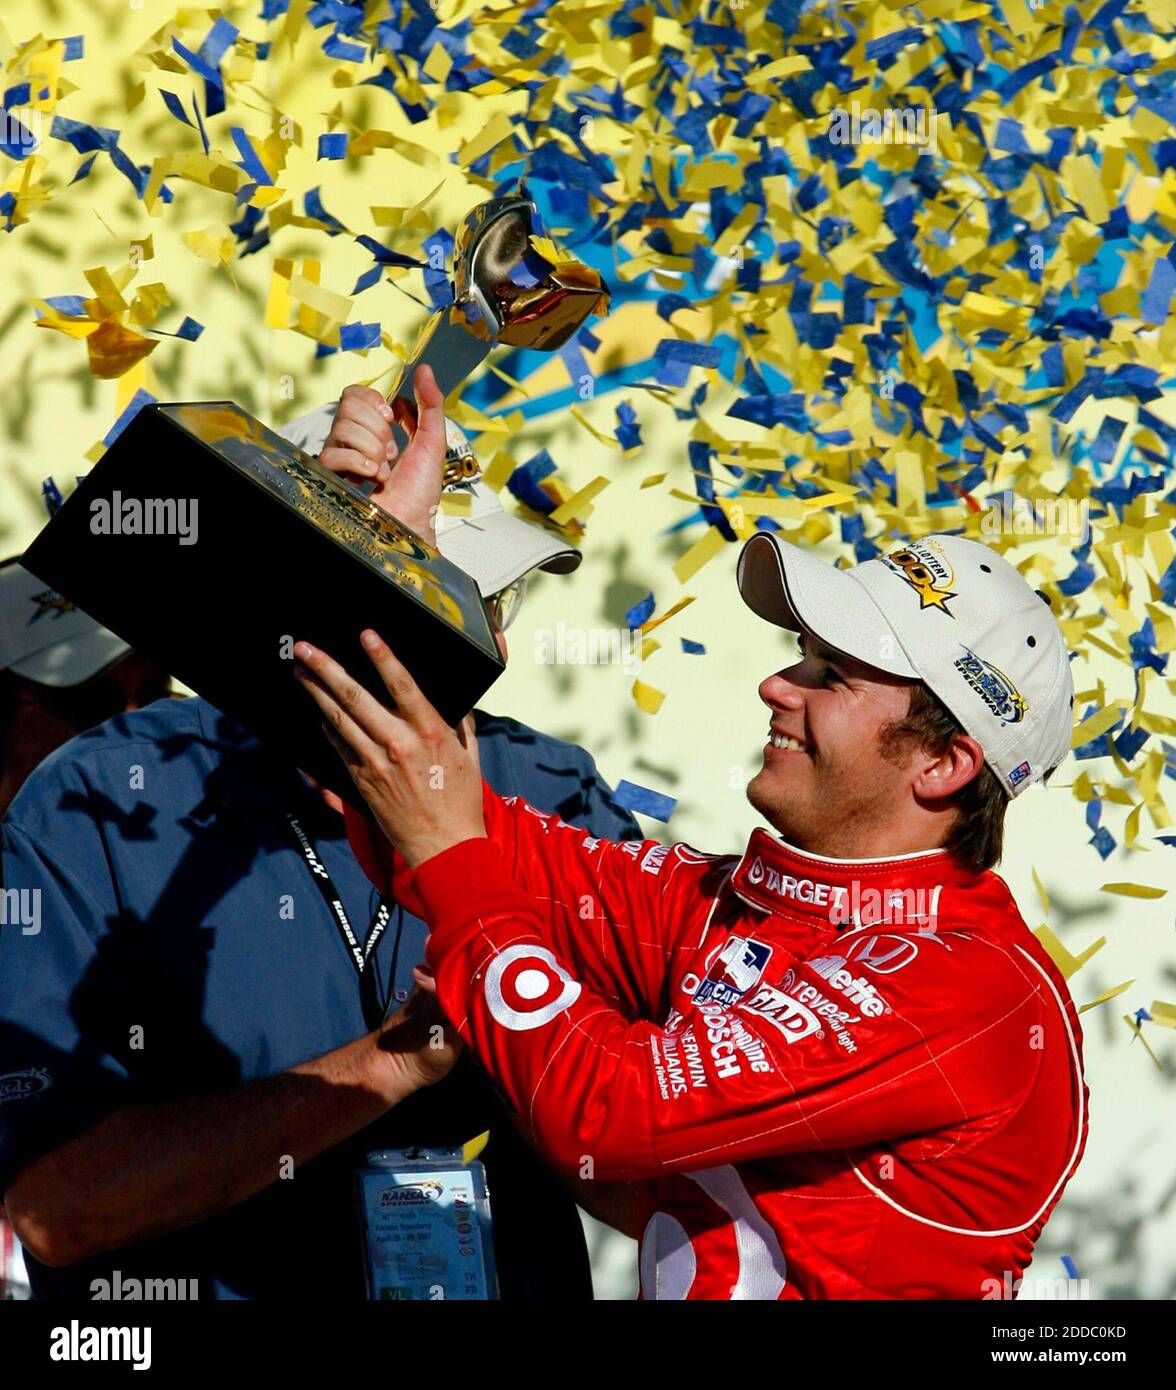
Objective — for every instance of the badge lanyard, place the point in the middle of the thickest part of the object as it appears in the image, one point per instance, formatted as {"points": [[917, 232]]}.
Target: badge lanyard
{"points": [[375, 1011]]}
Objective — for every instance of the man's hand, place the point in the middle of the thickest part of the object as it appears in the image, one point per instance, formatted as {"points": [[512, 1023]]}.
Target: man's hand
{"points": [[422, 1040], [361, 446], [421, 780]]}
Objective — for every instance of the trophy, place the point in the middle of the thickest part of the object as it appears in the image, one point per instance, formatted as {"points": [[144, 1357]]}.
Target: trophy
{"points": [[510, 286], [211, 544]]}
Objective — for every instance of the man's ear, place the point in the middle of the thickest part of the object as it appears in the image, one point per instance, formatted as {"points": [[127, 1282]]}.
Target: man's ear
{"points": [[953, 769]]}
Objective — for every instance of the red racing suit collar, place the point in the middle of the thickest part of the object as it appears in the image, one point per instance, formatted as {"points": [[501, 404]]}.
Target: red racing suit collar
{"points": [[905, 890]]}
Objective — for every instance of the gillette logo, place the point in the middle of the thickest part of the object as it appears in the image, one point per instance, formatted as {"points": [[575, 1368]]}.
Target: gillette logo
{"points": [[859, 991]]}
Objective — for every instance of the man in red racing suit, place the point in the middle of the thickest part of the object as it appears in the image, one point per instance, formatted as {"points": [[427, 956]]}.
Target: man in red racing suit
{"points": [[821, 1109], [840, 1065]]}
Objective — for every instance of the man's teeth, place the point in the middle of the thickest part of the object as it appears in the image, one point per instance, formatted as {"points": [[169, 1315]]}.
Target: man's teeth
{"points": [[785, 741]]}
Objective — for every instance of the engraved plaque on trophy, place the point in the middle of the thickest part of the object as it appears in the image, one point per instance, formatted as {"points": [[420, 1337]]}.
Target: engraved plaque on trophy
{"points": [[278, 549]]}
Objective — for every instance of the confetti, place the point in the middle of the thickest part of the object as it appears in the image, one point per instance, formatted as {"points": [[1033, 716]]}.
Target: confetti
{"points": [[631, 797]]}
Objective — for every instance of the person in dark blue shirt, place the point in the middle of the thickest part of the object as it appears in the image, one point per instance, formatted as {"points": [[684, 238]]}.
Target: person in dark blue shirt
{"points": [[184, 954], [192, 1063]]}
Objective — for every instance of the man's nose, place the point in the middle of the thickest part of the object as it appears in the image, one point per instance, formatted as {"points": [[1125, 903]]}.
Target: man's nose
{"points": [[778, 690]]}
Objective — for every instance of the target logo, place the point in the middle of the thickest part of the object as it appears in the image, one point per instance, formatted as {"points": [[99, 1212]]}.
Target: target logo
{"points": [[526, 987]]}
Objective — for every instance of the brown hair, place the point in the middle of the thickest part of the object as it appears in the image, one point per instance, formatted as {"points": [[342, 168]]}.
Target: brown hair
{"points": [[977, 836]]}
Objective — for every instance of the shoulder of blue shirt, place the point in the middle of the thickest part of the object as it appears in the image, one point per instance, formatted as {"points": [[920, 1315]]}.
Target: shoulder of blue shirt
{"points": [[553, 773]]}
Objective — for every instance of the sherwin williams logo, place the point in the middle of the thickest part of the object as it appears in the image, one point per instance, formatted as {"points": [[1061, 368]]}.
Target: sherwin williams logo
{"points": [[924, 567], [992, 685]]}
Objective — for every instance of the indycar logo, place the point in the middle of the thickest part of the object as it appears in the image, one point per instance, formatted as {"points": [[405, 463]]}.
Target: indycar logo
{"points": [[527, 987], [738, 966], [992, 685], [924, 567]]}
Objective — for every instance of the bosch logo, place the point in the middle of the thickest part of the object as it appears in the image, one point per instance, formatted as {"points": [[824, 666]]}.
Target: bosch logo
{"points": [[526, 987]]}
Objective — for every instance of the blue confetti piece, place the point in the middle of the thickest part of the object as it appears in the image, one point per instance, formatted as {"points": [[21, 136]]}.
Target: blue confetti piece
{"points": [[524, 482], [250, 160], [438, 248], [51, 496], [367, 279], [348, 52], [73, 305], [175, 106], [1105, 445], [628, 431], [84, 168], [189, 330], [312, 204], [332, 146], [82, 136], [74, 48], [640, 612], [219, 39], [692, 648], [631, 797], [355, 337], [130, 410], [1103, 841], [211, 75], [1070, 1267], [1157, 297]]}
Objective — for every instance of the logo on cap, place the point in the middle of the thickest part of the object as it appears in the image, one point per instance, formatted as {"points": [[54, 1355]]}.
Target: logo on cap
{"points": [[992, 685], [49, 602], [925, 568]]}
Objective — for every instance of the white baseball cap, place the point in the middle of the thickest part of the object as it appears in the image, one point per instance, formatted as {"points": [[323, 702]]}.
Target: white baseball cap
{"points": [[493, 547], [944, 610], [45, 638]]}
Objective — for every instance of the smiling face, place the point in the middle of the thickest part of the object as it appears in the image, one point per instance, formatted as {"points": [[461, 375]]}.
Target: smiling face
{"points": [[826, 784]]}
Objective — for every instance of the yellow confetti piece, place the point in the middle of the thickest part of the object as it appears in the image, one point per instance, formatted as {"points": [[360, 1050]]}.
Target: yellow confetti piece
{"points": [[473, 1147], [209, 246], [700, 553], [667, 615], [649, 699], [1130, 1022], [1106, 995], [456, 503], [438, 64], [279, 304], [1163, 1014], [499, 128], [1068, 964], [1098, 723], [114, 349], [653, 480], [501, 467], [332, 306], [577, 504], [1133, 890], [1041, 893]]}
